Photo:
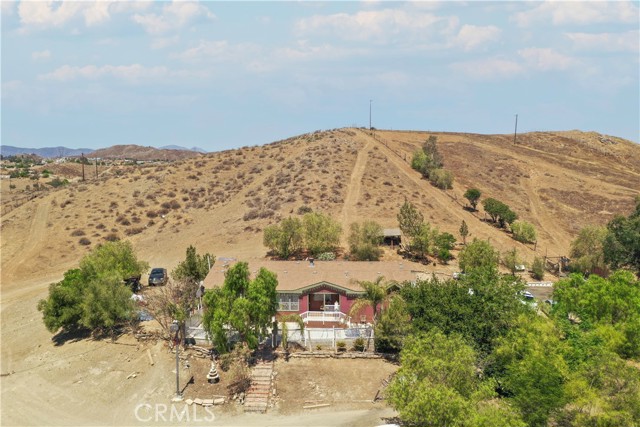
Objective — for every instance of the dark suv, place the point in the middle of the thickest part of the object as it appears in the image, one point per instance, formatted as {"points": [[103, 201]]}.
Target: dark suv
{"points": [[158, 276]]}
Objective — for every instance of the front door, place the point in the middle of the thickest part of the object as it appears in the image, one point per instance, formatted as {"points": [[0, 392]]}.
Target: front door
{"points": [[323, 302]]}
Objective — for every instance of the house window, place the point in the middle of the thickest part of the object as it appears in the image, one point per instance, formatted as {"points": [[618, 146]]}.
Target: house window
{"points": [[288, 302]]}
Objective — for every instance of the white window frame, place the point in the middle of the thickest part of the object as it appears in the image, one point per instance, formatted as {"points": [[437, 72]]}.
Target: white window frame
{"points": [[288, 302]]}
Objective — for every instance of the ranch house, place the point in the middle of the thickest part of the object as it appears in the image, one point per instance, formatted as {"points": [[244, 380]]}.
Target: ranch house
{"points": [[322, 292]]}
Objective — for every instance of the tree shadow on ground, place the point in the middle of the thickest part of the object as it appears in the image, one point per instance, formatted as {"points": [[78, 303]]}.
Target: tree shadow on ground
{"points": [[65, 336]]}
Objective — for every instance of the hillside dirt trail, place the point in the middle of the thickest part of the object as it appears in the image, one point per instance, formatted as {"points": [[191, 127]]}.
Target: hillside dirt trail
{"points": [[349, 210], [481, 229], [27, 250]]}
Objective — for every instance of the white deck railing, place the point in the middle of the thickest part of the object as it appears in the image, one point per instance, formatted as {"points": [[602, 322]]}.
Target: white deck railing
{"points": [[324, 316]]}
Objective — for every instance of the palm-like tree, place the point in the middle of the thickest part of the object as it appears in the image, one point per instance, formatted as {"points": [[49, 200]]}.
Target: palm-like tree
{"points": [[285, 329], [375, 295]]}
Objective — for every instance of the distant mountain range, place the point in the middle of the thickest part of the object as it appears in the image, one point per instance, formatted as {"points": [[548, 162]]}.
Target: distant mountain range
{"points": [[177, 147], [47, 152], [54, 152]]}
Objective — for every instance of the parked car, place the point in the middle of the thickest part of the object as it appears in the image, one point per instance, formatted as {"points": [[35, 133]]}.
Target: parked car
{"points": [[158, 276]]}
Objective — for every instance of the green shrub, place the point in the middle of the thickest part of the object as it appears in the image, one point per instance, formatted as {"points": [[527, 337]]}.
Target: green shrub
{"points": [[327, 256], [359, 344], [441, 178], [341, 346], [523, 232]]}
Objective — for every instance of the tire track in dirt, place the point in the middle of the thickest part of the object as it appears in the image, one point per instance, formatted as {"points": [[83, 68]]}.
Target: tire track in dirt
{"points": [[443, 200], [353, 190], [34, 240]]}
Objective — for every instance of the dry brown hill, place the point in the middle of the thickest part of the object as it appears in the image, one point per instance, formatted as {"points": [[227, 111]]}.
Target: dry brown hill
{"points": [[220, 202], [137, 152]]}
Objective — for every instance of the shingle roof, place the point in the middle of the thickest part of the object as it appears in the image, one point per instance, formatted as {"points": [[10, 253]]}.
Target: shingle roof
{"points": [[293, 275]]}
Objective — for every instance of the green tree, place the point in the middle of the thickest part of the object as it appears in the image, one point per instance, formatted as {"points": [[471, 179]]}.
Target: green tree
{"points": [[529, 365], [364, 241], [444, 243], [499, 212], [285, 239], [473, 196], [480, 307], [523, 231], [435, 381], [94, 297], [321, 233], [511, 259], [622, 243], [464, 232], [478, 254], [587, 250], [242, 305], [419, 160], [537, 268], [441, 178], [393, 326], [194, 268], [422, 242], [410, 219], [375, 294]]}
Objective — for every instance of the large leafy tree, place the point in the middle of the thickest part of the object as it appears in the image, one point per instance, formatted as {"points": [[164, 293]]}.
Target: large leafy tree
{"points": [[523, 231], [587, 250], [241, 305], [393, 326], [364, 241], [94, 297], [285, 239], [478, 254], [410, 220], [529, 365], [321, 232], [435, 381], [499, 212], [622, 244], [481, 307]]}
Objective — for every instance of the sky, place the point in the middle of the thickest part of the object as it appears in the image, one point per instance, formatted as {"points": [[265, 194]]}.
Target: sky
{"points": [[221, 75]]}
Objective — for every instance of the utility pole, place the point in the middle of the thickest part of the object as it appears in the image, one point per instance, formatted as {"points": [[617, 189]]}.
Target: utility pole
{"points": [[96, 168], [515, 132], [370, 101], [82, 161]]}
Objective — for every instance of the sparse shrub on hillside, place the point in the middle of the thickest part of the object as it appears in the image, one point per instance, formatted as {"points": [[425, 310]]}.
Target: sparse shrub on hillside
{"points": [[133, 230], [57, 182], [171, 194], [140, 203], [100, 226], [304, 209], [151, 197], [65, 203], [78, 233], [523, 231], [84, 241], [172, 204], [113, 205], [441, 178], [152, 214], [111, 237]]}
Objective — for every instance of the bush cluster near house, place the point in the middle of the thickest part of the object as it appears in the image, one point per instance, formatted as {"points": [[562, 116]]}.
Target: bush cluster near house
{"points": [[94, 296], [428, 161], [315, 232], [364, 241]]}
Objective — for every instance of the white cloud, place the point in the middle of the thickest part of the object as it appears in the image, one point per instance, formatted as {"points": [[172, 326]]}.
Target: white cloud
{"points": [[174, 15], [607, 42], [471, 36], [376, 25], [130, 73], [41, 55], [161, 43], [7, 7], [48, 14], [545, 59], [578, 12], [303, 50], [489, 69]]}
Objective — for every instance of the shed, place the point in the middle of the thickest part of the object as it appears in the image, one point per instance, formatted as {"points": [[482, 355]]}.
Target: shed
{"points": [[392, 236]]}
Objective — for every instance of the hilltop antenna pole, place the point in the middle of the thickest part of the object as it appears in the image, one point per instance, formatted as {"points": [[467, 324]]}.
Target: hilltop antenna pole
{"points": [[82, 161], [96, 168], [515, 132], [370, 101]]}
